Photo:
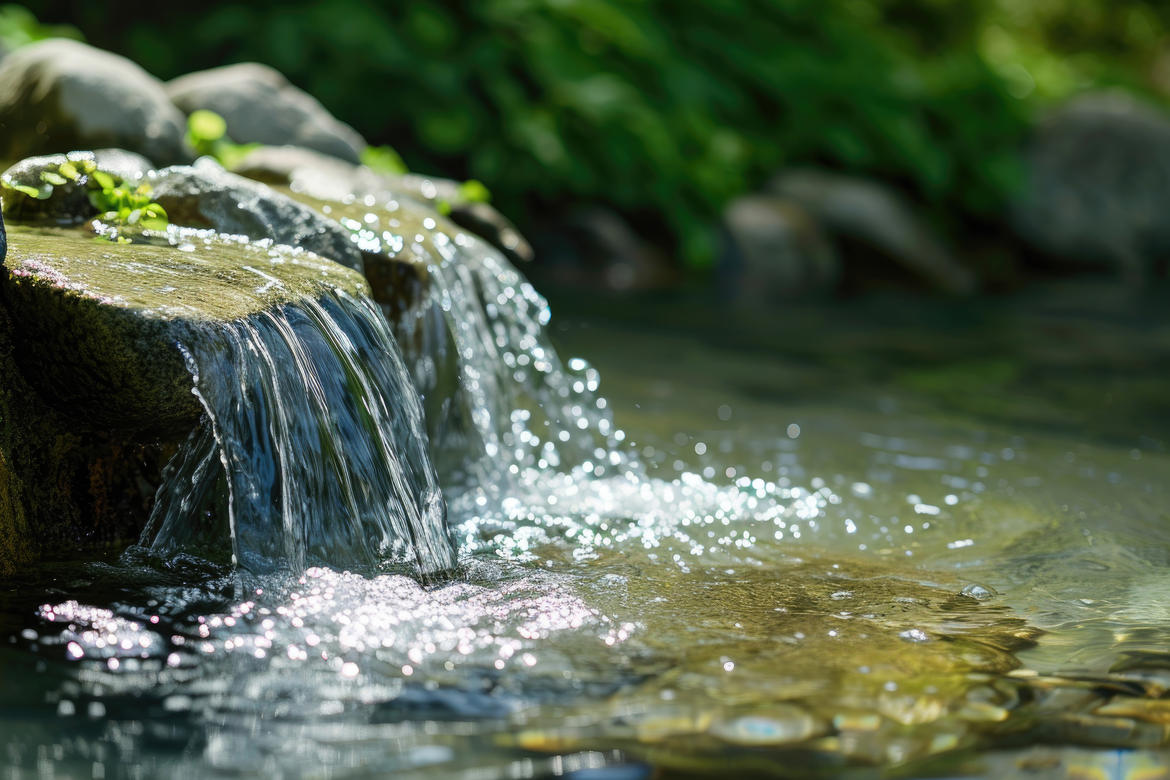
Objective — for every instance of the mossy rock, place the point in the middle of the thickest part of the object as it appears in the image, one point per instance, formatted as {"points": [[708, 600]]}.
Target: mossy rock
{"points": [[205, 195], [95, 389], [320, 176]]}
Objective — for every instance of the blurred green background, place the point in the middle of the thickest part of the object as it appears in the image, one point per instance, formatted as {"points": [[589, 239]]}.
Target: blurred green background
{"points": [[665, 111]]}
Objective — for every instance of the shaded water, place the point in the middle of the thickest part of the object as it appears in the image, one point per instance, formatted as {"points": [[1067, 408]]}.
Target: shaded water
{"points": [[859, 539]]}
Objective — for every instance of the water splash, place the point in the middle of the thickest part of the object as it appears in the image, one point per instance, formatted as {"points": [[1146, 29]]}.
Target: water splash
{"points": [[313, 442], [500, 402]]}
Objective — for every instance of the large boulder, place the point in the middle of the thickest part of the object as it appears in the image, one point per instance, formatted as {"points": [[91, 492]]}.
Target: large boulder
{"points": [[775, 250], [205, 195], [261, 106], [59, 94], [1098, 181], [331, 179], [867, 215], [94, 388]]}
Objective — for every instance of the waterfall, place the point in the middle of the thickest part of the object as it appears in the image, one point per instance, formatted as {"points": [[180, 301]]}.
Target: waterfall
{"points": [[519, 408], [312, 441]]}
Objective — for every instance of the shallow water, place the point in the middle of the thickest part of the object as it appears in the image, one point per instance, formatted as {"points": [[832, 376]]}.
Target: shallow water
{"points": [[889, 536]]}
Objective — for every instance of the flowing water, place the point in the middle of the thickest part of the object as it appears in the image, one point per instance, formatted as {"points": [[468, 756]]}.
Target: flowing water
{"points": [[312, 447], [884, 536]]}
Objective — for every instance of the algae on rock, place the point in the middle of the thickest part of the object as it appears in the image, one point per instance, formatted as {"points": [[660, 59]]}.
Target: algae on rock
{"points": [[95, 388]]}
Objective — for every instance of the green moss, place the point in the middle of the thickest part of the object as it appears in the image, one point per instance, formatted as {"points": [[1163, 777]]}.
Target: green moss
{"points": [[94, 392]]}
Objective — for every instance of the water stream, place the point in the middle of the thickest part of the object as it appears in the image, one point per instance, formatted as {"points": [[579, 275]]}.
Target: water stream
{"points": [[799, 545]]}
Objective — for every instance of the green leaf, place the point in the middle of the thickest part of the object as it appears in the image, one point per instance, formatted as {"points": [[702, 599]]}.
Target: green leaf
{"points": [[474, 191], [230, 154], [53, 178], [40, 194], [383, 159], [206, 126], [69, 171], [103, 179]]}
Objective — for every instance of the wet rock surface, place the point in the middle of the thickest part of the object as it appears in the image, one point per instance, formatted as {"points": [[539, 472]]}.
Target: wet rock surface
{"points": [[261, 106], [205, 195], [324, 177], [59, 95], [96, 388]]}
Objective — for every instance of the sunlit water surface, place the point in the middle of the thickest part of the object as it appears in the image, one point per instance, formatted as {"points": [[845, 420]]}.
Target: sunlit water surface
{"points": [[862, 540]]}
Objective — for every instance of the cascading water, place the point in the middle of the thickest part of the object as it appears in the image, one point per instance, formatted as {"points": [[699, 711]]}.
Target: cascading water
{"points": [[519, 409], [312, 442]]}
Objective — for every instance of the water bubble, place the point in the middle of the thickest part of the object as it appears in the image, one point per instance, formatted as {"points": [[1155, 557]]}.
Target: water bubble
{"points": [[978, 592]]}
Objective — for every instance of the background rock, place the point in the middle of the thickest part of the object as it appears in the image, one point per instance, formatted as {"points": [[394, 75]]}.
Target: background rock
{"points": [[261, 106], [776, 250], [320, 175], [59, 95], [596, 248], [206, 195], [871, 215], [1098, 185]]}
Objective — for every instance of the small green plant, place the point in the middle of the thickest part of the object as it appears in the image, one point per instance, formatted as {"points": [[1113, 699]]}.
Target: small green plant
{"points": [[470, 191], [116, 201], [474, 191], [207, 134], [383, 159]]}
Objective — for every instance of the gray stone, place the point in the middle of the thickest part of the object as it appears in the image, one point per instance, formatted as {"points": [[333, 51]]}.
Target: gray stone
{"points": [[320, 175], [205, 195], [94, 390], [328, 178], [121, 163], [1098, 184], [59, 94], [776, 250], [874, 216], [261, 106]]}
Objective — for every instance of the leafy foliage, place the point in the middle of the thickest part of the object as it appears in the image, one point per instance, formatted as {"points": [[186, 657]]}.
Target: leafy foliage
{"points": [[665, 111], [117, 202], [19, 27]]}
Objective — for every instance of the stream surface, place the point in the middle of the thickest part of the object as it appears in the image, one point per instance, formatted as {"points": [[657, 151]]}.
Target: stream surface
{"points": [[891, 536]]}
